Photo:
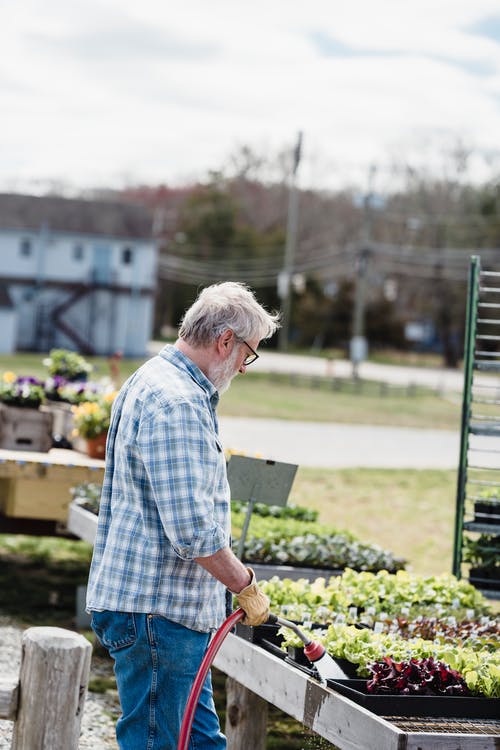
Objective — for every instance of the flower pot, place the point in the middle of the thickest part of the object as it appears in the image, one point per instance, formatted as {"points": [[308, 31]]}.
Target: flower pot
{"points": [[487, 511], [485, 578], [96, 447]]}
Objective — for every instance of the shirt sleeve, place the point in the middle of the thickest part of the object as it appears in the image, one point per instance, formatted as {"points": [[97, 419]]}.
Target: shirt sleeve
{"points": [[185, 467]]}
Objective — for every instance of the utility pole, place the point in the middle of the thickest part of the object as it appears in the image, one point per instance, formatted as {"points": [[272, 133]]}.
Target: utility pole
{"points": [[285, 276], [358, 348]]}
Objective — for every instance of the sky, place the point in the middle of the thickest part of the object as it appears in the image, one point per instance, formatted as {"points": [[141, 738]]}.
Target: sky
{"points": [[107, 93]]}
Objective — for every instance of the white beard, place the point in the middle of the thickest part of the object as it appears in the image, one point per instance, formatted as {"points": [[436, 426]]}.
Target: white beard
{"points": [[222, 374]]}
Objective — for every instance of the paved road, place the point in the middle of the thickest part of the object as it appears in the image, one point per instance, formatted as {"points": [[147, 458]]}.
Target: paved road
{"points": [[437, 378], [340, 445]]}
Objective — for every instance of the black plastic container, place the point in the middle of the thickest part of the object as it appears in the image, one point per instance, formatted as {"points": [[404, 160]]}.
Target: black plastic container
{"points": [[485, 578], [463, 707], [487, 512], [259, 633], [265, 635]]}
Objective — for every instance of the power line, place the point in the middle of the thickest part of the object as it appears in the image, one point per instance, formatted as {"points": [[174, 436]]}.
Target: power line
{"points": [[451, 263]]}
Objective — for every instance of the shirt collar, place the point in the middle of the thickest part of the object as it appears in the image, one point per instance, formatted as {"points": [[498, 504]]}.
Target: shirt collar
{"points": [[179, 360]]}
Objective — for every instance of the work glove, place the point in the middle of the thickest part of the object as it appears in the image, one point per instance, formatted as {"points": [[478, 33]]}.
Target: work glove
{"points": [[254, 603]]}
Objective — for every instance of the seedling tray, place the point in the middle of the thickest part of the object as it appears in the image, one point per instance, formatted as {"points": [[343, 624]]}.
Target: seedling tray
{"points": [[265, 636], [265, 632], [417, 705]]}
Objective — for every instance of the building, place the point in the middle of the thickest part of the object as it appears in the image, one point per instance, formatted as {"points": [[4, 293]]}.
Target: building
{"points": [[76, 274]]}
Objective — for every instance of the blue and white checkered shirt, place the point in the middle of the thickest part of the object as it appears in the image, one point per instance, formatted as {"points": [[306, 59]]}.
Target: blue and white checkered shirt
{"points": [[165, 498]]}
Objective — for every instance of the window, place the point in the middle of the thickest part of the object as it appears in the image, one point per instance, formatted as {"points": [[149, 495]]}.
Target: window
{"points": [[25, 247], [127, 256], [77, 252]]}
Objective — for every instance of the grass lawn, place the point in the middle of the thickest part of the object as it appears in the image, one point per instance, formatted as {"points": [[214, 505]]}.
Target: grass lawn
{"points": [[409, 512], [281, 397]]}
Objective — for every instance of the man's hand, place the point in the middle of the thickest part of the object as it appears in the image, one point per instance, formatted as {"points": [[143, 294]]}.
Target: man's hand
{"points": [[254, 602]]}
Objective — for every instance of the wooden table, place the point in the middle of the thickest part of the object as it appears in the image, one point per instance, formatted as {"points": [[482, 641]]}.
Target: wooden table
{"points": [[267, 678], [257, 677], [35, 487]]}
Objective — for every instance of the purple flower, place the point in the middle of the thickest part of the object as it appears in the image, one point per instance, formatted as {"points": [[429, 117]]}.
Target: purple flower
{"points": [[27, 380]]}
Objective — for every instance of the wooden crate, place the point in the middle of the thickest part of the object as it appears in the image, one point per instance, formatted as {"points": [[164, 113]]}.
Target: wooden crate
{"points": [[25, 429]]}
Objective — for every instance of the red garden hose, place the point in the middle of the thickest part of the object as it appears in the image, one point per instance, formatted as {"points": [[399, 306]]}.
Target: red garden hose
{"points": [[205, 665]]}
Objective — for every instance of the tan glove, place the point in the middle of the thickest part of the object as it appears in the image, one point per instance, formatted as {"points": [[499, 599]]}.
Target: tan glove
{"points": [[254, 602]]}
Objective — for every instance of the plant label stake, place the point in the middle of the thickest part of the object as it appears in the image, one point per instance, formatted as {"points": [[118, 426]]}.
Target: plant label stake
{"points": [[258, 480]]}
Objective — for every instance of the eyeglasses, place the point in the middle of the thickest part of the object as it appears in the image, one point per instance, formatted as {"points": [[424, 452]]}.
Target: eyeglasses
{"points": [[250, 358]]}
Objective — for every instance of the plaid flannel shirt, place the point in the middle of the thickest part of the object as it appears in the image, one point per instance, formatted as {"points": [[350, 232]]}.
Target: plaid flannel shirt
{"points": [[165, 498]]}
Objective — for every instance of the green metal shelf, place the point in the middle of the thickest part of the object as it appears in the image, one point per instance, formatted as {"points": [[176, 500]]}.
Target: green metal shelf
{"points": [[474, 470], [482, 528], [487, 366]]}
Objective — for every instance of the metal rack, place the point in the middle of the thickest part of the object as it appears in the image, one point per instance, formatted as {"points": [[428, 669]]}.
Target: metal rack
{"points": [[477, 520]]}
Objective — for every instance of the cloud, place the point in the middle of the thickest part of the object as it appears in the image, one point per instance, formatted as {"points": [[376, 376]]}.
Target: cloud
{"points": [[100, 89], [121, 39]]}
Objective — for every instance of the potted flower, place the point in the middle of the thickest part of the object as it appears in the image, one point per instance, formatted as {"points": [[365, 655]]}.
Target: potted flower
{"points": [[23, 426], [62, 394], [487, 506], [483, 555], [21, 391], [67, 364], [78, 392], [91, 422]]}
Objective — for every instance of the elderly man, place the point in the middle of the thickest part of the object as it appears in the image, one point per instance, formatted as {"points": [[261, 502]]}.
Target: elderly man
{"points": [[162, 559]]}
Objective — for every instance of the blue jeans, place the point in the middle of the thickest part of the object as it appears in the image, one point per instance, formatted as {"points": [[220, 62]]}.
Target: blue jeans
{"points": [[156, 661]]}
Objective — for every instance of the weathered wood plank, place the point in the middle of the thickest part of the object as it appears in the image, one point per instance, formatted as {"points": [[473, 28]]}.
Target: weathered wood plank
{"points": [[246, 718], [54, 675], [337, 719], [30, 464], [9, 697], [82, 523]]}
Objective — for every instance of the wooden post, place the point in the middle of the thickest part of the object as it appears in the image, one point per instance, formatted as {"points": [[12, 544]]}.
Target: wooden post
{"points": [[54, 675], [246, 718]]}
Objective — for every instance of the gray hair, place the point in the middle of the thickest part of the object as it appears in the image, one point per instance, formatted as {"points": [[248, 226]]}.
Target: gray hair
{"points": [[229, 304]]}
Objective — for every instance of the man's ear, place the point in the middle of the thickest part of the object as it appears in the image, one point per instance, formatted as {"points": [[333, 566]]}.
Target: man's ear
{"points": [[224, 342]]}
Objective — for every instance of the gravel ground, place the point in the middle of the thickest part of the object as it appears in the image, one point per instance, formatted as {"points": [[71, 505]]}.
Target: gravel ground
{"points": [[97, 731]]}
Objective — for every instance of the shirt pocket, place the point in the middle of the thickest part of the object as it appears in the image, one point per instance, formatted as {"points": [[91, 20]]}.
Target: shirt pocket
{"points": [[115, 630]]}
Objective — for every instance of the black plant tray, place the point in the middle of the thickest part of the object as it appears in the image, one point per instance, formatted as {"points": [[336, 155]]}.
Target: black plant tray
{"points": [[463, 707], [265, 636], [487, 512], [265, 632], [297, 656]]}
